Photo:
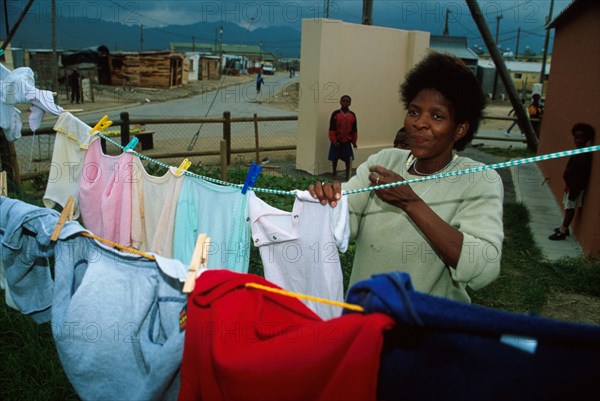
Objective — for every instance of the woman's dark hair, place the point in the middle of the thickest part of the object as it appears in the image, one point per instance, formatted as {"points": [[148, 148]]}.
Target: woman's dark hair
{"points": [[587, 130], [456, 82]]}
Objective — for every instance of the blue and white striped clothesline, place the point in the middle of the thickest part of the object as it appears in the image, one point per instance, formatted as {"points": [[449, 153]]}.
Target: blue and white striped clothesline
{"points": [[495, 166]]}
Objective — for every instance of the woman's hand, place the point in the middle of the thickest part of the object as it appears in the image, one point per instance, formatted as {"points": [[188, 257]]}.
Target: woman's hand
{"points": [[326, 192], [400, 196]]}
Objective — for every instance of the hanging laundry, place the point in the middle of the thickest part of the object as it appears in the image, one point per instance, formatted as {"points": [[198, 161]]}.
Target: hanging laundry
{"points": [[248, 344], [25, 249], [105, 194], [154, 201], [18, 87], [72, 140], [299, 249], [442, 348], [115, 321], [222, 211], [115, 316]]}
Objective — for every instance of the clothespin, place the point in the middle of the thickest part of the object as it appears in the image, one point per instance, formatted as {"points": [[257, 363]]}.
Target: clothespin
{"points": [[199, 260], [3, 184], [103, 124], [253, 173], [65, 215], [185, 164], [132, 144]]}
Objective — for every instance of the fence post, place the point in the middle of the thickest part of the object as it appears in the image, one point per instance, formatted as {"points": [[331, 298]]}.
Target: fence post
{"points": [[227, 134], [224, 164], [256, 139], [124, 128]]}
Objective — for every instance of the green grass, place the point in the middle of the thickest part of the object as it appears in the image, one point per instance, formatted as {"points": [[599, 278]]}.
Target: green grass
{"points": [[30, 369], [526, 279]]}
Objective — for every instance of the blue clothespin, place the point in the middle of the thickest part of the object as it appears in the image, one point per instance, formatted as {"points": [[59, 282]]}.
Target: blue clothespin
{"points": [[131, 145], [252, 176]]}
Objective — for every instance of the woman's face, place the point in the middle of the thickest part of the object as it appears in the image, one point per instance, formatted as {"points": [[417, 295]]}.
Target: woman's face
{"points": [[431, 127]]}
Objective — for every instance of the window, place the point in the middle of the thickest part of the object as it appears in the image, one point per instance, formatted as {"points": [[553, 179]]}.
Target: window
{"points": [[518, 75]]}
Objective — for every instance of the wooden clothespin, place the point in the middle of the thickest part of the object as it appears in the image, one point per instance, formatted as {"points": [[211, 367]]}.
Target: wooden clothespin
{"points": [[3, 184], [65, 215], [103, 124], [199, 260], [185, 164]]}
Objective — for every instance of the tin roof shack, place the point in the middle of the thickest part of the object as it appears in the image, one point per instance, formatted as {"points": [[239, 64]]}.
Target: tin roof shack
{"points": [[161, 70], [573, 96], [523, 73], [92, 59], [457, 46], [209, 68]]}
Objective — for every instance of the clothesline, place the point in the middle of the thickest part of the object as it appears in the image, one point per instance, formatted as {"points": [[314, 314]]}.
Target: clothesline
{"points": [[486, 167], [119, 246], [291, 294]]}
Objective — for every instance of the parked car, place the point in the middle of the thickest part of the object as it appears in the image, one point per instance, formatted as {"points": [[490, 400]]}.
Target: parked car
{"points": [[268, 69]]}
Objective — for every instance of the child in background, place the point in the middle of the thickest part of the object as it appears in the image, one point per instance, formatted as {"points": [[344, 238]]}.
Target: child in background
{"points": [[576, 176], [343, 134], [401, 139]]}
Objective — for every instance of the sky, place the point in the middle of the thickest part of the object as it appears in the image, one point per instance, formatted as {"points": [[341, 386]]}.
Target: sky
{"points": [[428, 15]]}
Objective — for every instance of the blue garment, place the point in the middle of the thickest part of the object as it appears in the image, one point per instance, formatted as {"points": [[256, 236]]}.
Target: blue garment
{"points": [[444, 349], [25, 232], [115, 317], [115, 322], [221, 212]]}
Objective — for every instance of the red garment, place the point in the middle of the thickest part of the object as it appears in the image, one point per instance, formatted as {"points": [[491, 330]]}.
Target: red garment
{"points": [[343, 127], [248, 344]]}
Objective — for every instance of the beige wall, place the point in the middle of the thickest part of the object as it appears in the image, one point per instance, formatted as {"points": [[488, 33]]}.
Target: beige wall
{"points": [[8, 58], [366, 62]]}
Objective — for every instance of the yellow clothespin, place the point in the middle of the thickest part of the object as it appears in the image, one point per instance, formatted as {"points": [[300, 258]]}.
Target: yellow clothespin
{"points": [[103, 124], [3, 184], [199, 260], [65, 215], [185, 164]]}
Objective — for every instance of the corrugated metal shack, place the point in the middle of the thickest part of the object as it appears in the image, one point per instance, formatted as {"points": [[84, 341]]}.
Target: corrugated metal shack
{"points": [[161, 70]]}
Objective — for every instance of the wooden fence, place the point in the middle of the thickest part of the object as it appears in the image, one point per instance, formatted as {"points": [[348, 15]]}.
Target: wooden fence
{"points": [[10, 162]]}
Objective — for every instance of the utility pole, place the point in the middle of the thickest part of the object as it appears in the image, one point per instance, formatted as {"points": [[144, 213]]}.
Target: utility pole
{"points": [[518, 38], [326, 8], [498, 18], [220, 50], [546, 42], [54, 54], [16, 25], [523, 118], [216, 40], [446, 30], [142, 37], [367, 14]]}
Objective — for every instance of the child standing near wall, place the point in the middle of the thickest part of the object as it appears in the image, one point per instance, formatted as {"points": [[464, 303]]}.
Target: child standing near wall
{"points": [[343, 134], [576, 176]]}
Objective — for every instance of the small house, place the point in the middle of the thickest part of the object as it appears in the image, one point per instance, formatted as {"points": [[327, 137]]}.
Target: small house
{"points": [[457, 46], [209, 68], [573, 97], [161, 70]]}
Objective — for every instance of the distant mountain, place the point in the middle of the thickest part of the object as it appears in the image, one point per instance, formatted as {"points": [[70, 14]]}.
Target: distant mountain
{"points": [[78, 33]]}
